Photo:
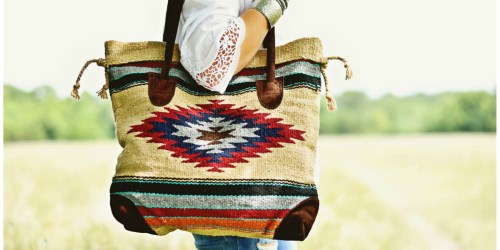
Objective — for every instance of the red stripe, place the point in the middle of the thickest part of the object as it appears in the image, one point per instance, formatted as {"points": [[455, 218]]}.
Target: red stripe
{"points": [[184, 222], [247, 214], [251, 72], [244, 72], [148, 64]]}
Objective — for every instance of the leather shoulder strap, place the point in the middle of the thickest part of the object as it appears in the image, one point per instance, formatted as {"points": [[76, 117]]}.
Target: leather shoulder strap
{"points": [[172, 19], [161, 88]]}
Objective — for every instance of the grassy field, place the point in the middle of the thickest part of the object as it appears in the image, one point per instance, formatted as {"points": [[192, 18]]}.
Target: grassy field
{"points": [[376, 192]]}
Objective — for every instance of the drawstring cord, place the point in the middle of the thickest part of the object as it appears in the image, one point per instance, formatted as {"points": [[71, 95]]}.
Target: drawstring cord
{"points": [[101, 93], [332, 104], [348, 71]]}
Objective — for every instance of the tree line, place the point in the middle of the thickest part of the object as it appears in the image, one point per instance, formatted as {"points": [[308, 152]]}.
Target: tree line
{"points": [[41, 115], [419, 113]]}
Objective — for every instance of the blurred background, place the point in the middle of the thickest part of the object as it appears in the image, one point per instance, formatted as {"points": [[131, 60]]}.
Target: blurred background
{"points": [[407, 161]]}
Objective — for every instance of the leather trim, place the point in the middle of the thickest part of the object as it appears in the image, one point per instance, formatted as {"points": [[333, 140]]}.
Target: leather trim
{"points": [[127, 214], [270, 94], [160, 91], [298, 222]]}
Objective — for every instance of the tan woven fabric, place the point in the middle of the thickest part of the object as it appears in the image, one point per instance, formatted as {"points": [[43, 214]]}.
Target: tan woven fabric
{"points": [[125, 52], [216, 164], [142, 158]]}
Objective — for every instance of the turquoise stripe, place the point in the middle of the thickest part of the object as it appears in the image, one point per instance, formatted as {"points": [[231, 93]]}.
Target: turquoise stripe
{"points": [[297, 68], [304, 68], [118, 72], [314, 86], [220, 183], [186, 77], [218, 203], [208, 196]]}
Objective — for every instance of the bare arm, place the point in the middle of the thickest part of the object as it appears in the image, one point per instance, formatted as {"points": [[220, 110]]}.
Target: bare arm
{"points": [[256, 30], [240, 40]]}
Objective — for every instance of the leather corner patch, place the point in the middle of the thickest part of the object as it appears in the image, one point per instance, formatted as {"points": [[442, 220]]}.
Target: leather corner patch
{"points": [[127, 214], [298, 222], [270, 94], [160, 91]]}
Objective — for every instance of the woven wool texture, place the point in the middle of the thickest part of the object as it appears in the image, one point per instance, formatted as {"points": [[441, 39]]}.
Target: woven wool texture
{"points": [[209, 163]]}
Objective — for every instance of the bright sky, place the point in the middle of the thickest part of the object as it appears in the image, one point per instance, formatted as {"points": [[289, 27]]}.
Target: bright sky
{"points": [[393, 46]]}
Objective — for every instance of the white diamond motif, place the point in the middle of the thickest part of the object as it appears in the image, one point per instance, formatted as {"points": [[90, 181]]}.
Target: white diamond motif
{"points": [[236, 131]]}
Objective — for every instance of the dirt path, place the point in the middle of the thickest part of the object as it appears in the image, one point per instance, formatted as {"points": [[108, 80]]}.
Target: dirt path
{"points": [[392, 197]]}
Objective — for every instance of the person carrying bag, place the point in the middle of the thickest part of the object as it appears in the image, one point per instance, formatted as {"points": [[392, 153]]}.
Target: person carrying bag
{"points": [[224, 146]]}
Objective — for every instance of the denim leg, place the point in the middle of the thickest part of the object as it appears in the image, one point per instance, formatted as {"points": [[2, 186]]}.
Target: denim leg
{"points": [[204, 242], [267, 244], [287, 245]]}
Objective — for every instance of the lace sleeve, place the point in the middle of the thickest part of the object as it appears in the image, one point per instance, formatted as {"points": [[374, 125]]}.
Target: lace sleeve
{"points": [[213, 60], [224, 63]]}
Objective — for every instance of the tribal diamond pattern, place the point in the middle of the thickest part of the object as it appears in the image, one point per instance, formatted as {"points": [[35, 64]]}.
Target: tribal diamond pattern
{"points": [[216, 135]]}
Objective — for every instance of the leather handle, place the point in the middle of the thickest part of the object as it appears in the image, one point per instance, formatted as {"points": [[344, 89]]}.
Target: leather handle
{"points": [[270, 91], [161, 87], [172, 19], [271, 55]]}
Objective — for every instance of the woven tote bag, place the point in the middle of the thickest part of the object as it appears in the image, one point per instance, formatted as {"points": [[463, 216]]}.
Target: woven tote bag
{"points": [[239, 163]]}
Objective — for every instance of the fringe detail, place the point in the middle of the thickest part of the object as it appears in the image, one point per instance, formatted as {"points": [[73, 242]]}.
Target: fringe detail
{"points": [[101, 93], [331, 103], [74, 93], [348, 70]]}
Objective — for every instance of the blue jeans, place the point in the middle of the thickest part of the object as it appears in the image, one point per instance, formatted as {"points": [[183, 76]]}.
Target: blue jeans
{"points": [[204, 242]]}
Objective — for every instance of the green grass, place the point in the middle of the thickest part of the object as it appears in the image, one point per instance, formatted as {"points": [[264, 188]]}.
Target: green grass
{"points": [[392, 192]]}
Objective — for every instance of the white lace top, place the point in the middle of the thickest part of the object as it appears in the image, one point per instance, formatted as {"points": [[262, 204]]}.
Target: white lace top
{"points": [[210, 36]]}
